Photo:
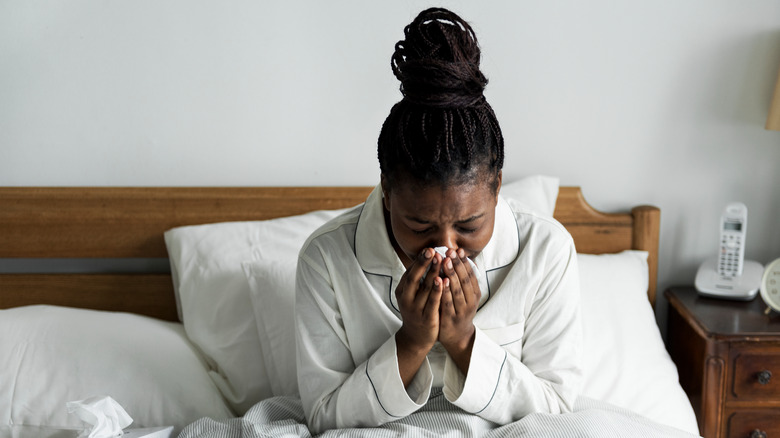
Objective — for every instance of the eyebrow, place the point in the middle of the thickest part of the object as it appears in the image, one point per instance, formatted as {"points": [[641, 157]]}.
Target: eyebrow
{"points": [[464, 221]]}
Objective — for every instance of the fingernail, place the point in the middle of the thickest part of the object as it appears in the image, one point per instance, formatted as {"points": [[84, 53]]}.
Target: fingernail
{"points": [[449, 263], [427, 254]]}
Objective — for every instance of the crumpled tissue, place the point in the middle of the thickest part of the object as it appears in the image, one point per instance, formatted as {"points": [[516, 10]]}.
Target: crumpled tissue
{"points": [[442, 250], [106, 416]]}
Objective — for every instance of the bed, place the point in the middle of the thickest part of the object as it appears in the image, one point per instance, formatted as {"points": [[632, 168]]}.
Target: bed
{"points": [[189, 323]]}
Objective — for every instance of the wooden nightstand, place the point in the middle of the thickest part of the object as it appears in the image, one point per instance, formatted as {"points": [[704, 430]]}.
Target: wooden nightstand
{"points": [[728, 358]]}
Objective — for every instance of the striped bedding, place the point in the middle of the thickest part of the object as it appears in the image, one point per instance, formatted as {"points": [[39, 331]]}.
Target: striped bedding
{"points": [[284, 417]]}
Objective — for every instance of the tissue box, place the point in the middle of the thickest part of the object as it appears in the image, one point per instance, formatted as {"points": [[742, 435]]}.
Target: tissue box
{"points": [[149, 432]]}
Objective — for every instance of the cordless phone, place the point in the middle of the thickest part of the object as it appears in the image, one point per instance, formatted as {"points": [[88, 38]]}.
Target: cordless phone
{"points": [[729, 275], [733, 226]]}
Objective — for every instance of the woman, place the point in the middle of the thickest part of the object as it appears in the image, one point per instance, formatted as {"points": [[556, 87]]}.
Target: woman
{"points": [[384, 320]]}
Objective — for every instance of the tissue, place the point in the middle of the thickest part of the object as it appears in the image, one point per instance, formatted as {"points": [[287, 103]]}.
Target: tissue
{"points": [[104, 414], [442, 250]]}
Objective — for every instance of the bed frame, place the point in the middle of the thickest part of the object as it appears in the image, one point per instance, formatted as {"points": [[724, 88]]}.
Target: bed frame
{"points": [[128, 222]]}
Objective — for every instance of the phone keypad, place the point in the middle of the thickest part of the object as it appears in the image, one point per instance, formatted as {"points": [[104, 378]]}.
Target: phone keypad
{"points": [[729, 260]]}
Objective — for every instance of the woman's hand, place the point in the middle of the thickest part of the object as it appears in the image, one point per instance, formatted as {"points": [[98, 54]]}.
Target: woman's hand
{"points": [[418, 299], [459, 302]]}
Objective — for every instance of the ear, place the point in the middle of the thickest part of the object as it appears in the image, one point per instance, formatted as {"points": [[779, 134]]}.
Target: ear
{"points": [[499, 179], [385, 192]]}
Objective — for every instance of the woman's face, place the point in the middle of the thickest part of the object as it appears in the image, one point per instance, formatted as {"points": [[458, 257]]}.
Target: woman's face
{"points": [[459, 216]]}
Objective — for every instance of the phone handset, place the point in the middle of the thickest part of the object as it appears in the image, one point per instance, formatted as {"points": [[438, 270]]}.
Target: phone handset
{"points": [[729, 275], [733, 227]]}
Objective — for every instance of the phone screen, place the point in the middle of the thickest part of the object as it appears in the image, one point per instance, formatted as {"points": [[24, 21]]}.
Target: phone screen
{"points": [[732, 226]]}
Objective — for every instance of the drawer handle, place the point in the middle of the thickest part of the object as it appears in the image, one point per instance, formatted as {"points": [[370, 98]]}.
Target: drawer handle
{"points": [[758, 433], [764, 377]]}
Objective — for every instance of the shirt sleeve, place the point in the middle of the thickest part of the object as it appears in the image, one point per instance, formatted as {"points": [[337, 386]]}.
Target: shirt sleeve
{"points": [[503, 386], [335, 391]]}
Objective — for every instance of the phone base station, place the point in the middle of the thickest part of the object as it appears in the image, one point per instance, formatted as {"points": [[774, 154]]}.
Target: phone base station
{"points": [[743, 287]]}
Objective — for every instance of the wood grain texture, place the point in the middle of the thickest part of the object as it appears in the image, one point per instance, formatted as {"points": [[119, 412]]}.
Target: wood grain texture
{"points": [[751, 423], [144, 294], [747, 367], [83, 222], [594, 232], [129, 222]]}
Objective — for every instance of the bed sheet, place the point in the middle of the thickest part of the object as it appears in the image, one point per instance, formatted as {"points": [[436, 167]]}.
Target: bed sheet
{"points": [[283, 417]]}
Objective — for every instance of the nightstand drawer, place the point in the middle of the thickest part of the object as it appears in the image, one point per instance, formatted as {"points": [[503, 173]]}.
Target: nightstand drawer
{"points": [[743, 423], [756, 375]]}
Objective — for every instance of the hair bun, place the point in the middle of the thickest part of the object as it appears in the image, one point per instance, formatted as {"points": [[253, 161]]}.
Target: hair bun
{"points": [[437, 62]]}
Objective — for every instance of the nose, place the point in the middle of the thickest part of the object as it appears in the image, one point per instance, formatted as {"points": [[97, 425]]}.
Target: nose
{"points": [[447, 238]]}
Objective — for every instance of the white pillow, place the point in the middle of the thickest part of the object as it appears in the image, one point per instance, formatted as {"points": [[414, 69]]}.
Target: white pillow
{"points": [[51, 355], [213, 294], [272, 289], [537, 193], [625, 362]]}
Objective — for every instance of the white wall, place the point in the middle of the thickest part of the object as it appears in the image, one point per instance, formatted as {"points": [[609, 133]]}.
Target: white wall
{"points": [[659, 102]]}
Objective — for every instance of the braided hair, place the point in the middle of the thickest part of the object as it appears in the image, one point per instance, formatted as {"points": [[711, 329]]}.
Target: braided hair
{"points": [[443, 130]]}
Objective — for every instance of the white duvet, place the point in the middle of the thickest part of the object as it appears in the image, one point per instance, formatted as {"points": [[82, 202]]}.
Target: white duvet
{"points": [[284, 417]]}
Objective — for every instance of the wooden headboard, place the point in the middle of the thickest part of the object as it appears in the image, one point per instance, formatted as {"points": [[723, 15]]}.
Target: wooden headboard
{"points": [[128, 222]]}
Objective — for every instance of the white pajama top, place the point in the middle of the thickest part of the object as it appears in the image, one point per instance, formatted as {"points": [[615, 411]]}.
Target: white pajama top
{"points": [[527, 347]]}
